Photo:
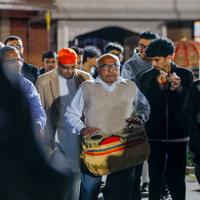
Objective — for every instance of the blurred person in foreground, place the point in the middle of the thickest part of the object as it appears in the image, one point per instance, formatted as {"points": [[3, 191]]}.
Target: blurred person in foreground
{"points": [[23, 172], [49, 62], [29, 71], [191, 112], [11, 64], [91, 53], [79, 52], [102, 96], [165, 87], [57, 88]]}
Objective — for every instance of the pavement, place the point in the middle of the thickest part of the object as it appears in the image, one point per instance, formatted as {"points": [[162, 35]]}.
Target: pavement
{"points": [[192, 189]]}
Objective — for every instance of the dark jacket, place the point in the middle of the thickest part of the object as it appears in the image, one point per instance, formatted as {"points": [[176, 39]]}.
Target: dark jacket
{"points": [[41, 71], [162, 101], [30, 72], [191, 112], [23, 171]]}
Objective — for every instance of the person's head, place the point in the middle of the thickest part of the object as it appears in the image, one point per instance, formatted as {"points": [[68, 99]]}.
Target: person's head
{"points": [[67, 61], [1, 44], [16, 42], [10, 62], [49, 61], [116, 49], [79, 52], [145, 39], [108, 68], [91, 53], [160, 52]]}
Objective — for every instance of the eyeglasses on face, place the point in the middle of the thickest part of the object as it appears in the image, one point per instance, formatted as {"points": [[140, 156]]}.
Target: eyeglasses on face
{"points": [[142, 46], [106, 67], [17, 46], [67, 67], [14, 61]]}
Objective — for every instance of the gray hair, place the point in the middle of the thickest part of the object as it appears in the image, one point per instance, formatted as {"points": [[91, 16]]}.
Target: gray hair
{"points": [[107, 55], [3, 50]]}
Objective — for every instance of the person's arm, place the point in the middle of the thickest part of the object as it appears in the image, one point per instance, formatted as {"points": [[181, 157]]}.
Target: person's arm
{"points": [[40, 90], [142, 109], [191, 109], [142, 106], [127, 72], [74, 112], [37, 111]]}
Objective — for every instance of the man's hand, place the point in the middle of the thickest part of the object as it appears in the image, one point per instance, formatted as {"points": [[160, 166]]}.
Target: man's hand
{"points": [[88, 131], [134, 120], [39, 131], [175, 82], [159, 79]]}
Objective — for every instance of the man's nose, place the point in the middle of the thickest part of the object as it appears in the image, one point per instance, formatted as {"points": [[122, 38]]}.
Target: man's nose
{"points": [[153, 62], [70, 70], [110, 68]]}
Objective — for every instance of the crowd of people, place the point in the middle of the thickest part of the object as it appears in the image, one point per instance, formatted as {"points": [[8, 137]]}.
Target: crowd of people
{"points": [[79, 91]]}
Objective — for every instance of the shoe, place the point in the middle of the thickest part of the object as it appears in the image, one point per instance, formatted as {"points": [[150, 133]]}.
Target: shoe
{"points": [[145, 187], [166, 197]]}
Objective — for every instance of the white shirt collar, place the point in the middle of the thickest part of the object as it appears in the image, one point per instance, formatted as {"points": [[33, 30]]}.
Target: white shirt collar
{"points": [[100, 81]]}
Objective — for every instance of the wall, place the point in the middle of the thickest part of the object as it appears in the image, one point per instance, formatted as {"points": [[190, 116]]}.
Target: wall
{"points": [[34, 36]]}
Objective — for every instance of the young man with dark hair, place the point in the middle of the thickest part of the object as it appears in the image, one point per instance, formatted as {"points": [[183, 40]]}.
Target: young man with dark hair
{"points": [[139, 62], [91, 53], [116, 49], [79, 52], [165, 87], [49, 61], [30, 72]]}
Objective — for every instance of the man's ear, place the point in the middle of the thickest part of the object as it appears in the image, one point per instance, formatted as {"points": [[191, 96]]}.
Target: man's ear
{"points": [[169, 57], [88, 58], [22, 51], [98, 69], [121, 58]]}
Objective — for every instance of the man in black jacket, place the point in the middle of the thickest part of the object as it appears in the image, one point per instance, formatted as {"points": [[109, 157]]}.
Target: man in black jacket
{"points": [[191, 112], [29, 71], [165, 87]]}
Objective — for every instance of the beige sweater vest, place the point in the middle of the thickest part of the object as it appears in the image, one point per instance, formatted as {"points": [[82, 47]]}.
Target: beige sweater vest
{"points": [[108, 110]]}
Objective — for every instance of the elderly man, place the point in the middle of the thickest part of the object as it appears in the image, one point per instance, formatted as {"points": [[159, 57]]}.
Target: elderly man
{"points": [[11, 64], [57, 89], [105, 106]]}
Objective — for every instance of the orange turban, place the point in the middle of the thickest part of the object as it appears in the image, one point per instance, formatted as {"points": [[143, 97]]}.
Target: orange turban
{"points": [[67, 56]]}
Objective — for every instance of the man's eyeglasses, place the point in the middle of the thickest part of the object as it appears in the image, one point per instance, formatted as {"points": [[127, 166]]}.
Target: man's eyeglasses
{"points": [[67, 68], [106, 67], [14, 61], [142, 46], [17, 46]]}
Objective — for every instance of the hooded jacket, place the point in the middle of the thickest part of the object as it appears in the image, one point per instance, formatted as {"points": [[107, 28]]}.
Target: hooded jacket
{"points": [[134, 67]]}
